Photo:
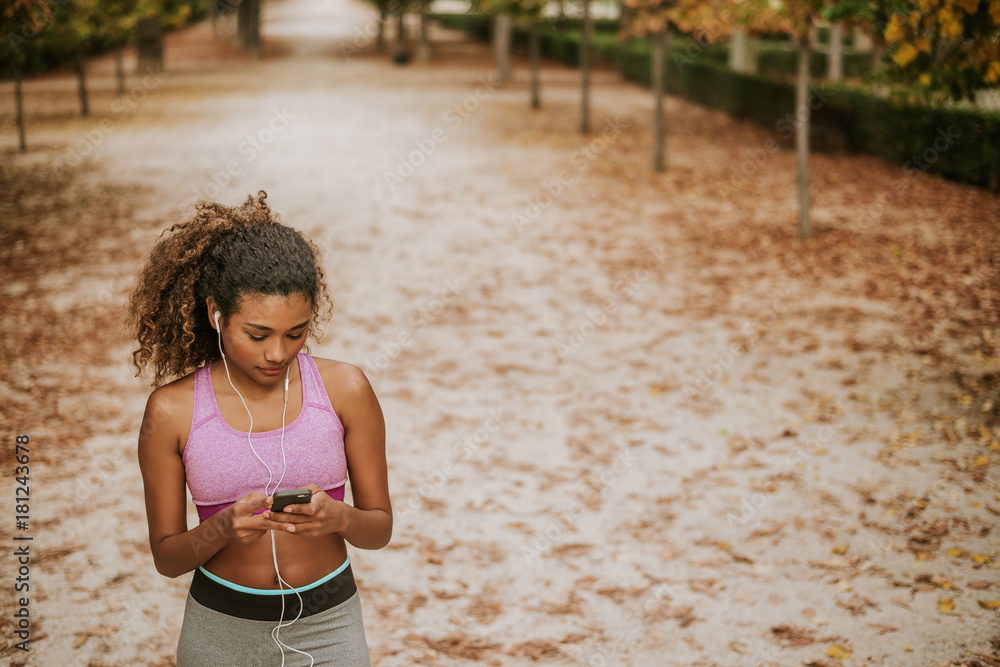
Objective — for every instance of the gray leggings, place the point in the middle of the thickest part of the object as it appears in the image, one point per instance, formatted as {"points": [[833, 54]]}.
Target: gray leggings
{"points": [[210, 638]]}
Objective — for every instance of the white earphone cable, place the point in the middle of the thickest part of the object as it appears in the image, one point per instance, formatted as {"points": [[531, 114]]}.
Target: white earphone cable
{"points": [[274, 551]]}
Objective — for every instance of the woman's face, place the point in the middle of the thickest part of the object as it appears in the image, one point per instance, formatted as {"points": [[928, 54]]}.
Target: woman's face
{"points": [[264, 335]]}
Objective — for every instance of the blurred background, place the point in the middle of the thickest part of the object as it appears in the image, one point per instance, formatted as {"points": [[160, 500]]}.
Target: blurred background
{"points": [[683, 315]]}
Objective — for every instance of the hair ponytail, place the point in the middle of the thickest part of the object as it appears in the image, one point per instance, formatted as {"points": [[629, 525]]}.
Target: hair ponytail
{"points": [[224, 252]]}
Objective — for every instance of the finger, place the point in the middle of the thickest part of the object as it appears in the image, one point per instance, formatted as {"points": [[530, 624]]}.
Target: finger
{"points": [[271, 524]]}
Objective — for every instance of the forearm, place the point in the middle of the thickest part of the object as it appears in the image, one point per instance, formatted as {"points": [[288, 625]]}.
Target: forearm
{"points": [[178, 554], [367, 529]]}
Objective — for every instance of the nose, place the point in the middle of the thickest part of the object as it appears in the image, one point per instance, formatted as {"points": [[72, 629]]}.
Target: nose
{"points": [[275, 352]]}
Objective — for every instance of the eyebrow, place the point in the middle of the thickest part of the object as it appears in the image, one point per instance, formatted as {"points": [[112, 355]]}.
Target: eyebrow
{"points": [[261, 327]]}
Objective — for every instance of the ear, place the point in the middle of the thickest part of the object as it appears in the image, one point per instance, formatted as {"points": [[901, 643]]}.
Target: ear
{"points": [[212, 307]]}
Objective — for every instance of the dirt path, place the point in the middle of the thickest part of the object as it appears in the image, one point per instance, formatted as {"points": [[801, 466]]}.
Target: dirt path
{"points": [[632, 419]]}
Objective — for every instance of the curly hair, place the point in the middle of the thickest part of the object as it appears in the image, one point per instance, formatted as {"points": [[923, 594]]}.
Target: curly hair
{"points": [[225, 252]]}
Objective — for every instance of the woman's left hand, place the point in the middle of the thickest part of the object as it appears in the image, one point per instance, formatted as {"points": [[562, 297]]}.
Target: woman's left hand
{"points": [[322, 515]]}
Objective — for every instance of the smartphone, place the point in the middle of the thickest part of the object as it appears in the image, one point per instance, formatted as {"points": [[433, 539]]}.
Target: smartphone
{"points": [[283, 499]]}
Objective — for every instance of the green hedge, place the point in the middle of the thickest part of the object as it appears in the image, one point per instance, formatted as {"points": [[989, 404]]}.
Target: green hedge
{"points": [[959, 144]]}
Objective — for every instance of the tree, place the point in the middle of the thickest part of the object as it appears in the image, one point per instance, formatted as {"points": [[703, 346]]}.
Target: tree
{"points": [[20, 22], [796, 19], [116, 26], [586, 37], [70, 33], [706, 21], [945, 45], [505, 12]]}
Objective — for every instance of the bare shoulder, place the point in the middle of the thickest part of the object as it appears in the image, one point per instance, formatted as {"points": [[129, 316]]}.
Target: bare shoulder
{"points": [[169, 410], [350, 392], [342, 379]]}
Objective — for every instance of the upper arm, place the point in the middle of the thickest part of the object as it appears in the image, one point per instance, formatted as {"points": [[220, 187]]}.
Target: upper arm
{"points": [[163, 427], [364, 433]]}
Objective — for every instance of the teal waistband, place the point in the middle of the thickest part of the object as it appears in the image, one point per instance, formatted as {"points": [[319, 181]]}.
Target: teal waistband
{"points": [[272, 591]]}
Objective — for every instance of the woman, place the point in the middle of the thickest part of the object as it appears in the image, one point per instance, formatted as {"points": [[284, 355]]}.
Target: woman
{"points": [[232, 295]]}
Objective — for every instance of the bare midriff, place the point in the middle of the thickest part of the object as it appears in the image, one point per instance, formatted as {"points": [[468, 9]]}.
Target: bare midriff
{"points": [[302, 559]]}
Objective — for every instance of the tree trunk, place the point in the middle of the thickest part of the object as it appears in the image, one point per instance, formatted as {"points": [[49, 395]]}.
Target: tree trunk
{"points": [[501, 46], [400, 36], [380, 37], [657, 42], [243, 25], [802, 114], [743, 53], [535, 50], [835, 53], [253, 29], [120, 67], [19, 102], [213, 15], [81, 82], [149, 44], [585, 69], [424, 46]]}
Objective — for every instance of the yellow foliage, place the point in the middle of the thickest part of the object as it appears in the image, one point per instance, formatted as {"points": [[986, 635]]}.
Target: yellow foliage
{"points": [[894, 31], [970, 6], [995, 12], [905, 55], [992, 75]]}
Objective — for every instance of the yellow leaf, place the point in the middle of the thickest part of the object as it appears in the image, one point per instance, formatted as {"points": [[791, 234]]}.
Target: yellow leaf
{"points": [[982, 460], [905, 55], [838, 652], [955, 552], [961, 399], [980, 558], [946, 605], [944, 583], [992, 72], [992, 605], [840, 549], [925, 80]]}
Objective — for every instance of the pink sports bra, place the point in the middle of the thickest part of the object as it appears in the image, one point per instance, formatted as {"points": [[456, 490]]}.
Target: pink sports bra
{"points": [[221, 468]]}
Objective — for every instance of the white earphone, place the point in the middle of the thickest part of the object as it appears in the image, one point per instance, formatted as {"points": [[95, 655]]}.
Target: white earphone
{"points": [[274, 552]]}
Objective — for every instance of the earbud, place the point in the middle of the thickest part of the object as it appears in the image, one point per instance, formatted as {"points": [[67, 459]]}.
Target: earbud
{"points": [[218, 314]]}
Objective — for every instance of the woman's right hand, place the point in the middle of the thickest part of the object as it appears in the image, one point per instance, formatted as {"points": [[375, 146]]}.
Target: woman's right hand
{"points": [[240, 523]]}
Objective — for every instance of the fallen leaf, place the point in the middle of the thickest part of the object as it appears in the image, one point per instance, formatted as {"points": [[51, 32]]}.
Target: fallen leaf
{"points": [[946, 605], [838, 652], [955, 552], [979, 585], [992, 605], [981, 460], [980, 558], [840, 549]]}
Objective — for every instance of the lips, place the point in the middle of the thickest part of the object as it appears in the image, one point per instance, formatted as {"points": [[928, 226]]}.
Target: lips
{"points": [[271, 371]]}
